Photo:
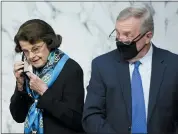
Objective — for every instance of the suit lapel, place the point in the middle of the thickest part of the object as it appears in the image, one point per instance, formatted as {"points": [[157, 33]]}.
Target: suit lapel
{"points": [[122, 68], [157, 75]]}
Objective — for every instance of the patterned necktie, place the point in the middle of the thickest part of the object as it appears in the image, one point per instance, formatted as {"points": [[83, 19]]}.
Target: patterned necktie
{"points": [[139, 124]]}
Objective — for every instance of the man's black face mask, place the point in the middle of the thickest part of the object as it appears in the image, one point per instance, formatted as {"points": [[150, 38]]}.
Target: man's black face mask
{"points": [[128, 50]]}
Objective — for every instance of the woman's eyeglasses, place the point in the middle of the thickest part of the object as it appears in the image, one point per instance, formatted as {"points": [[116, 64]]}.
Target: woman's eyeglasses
{"points": [[35, 50]]}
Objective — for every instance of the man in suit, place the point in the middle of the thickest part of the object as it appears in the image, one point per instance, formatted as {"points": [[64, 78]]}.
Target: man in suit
{"points": [[133, 89]]}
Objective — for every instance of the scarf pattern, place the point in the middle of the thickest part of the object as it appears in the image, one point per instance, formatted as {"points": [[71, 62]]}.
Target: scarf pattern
{"points": [[49, 73]]}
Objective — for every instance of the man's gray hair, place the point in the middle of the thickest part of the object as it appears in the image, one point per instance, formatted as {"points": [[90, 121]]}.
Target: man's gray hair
{"points": [[142, 12]]}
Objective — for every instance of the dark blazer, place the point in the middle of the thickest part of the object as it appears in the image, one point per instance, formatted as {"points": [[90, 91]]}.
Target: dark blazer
{"points": [[62, 103], [108, 107]]}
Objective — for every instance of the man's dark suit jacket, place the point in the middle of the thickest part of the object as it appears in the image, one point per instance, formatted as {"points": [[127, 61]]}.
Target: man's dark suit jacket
{"points": [[62, 103], [108, 107]]}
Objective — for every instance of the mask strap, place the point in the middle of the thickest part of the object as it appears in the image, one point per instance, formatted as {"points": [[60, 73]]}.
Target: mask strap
{"points": [[139, 38]]}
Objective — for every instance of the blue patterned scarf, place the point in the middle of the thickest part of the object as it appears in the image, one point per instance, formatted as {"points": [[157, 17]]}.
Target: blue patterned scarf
{"points": [[49, 73]]}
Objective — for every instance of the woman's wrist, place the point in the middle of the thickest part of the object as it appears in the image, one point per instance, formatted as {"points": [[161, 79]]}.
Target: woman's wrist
{"points": [[19, 86]]}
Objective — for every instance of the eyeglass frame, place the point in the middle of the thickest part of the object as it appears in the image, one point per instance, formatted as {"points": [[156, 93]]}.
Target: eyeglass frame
{"points": [[34, 51], [133, 40]]}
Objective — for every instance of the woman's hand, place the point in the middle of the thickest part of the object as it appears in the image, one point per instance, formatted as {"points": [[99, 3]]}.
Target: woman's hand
{"points": [[18, 69], [36, 83]]}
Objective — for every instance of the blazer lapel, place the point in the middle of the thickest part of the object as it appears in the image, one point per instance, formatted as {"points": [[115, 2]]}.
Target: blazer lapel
{"points": [[157, 75], [124, 81]]}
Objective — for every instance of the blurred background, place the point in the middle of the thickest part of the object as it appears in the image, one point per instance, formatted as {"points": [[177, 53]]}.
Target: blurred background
{"points": [[84, 26]]}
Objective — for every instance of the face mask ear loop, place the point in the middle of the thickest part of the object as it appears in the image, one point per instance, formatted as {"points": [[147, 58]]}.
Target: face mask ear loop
{"points": [[139, 38], [144, 45]]}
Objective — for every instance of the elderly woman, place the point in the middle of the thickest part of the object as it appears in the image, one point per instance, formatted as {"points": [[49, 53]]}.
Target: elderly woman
{"points": [[49, 99]]}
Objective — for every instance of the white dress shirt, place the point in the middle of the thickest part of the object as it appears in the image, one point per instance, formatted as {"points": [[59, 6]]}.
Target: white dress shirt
{"points": [[145, 72]]}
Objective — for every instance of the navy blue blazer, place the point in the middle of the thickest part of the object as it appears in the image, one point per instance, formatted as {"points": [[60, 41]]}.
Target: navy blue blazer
{"points": [[108, 106]]}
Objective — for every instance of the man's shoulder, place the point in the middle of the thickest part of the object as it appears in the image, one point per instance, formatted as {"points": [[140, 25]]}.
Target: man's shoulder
{"points": [[104, 58], [168, 54], [170, 59]]}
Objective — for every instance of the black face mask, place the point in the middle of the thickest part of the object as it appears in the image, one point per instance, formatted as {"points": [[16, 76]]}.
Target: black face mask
{"points": [[128, 50]]}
